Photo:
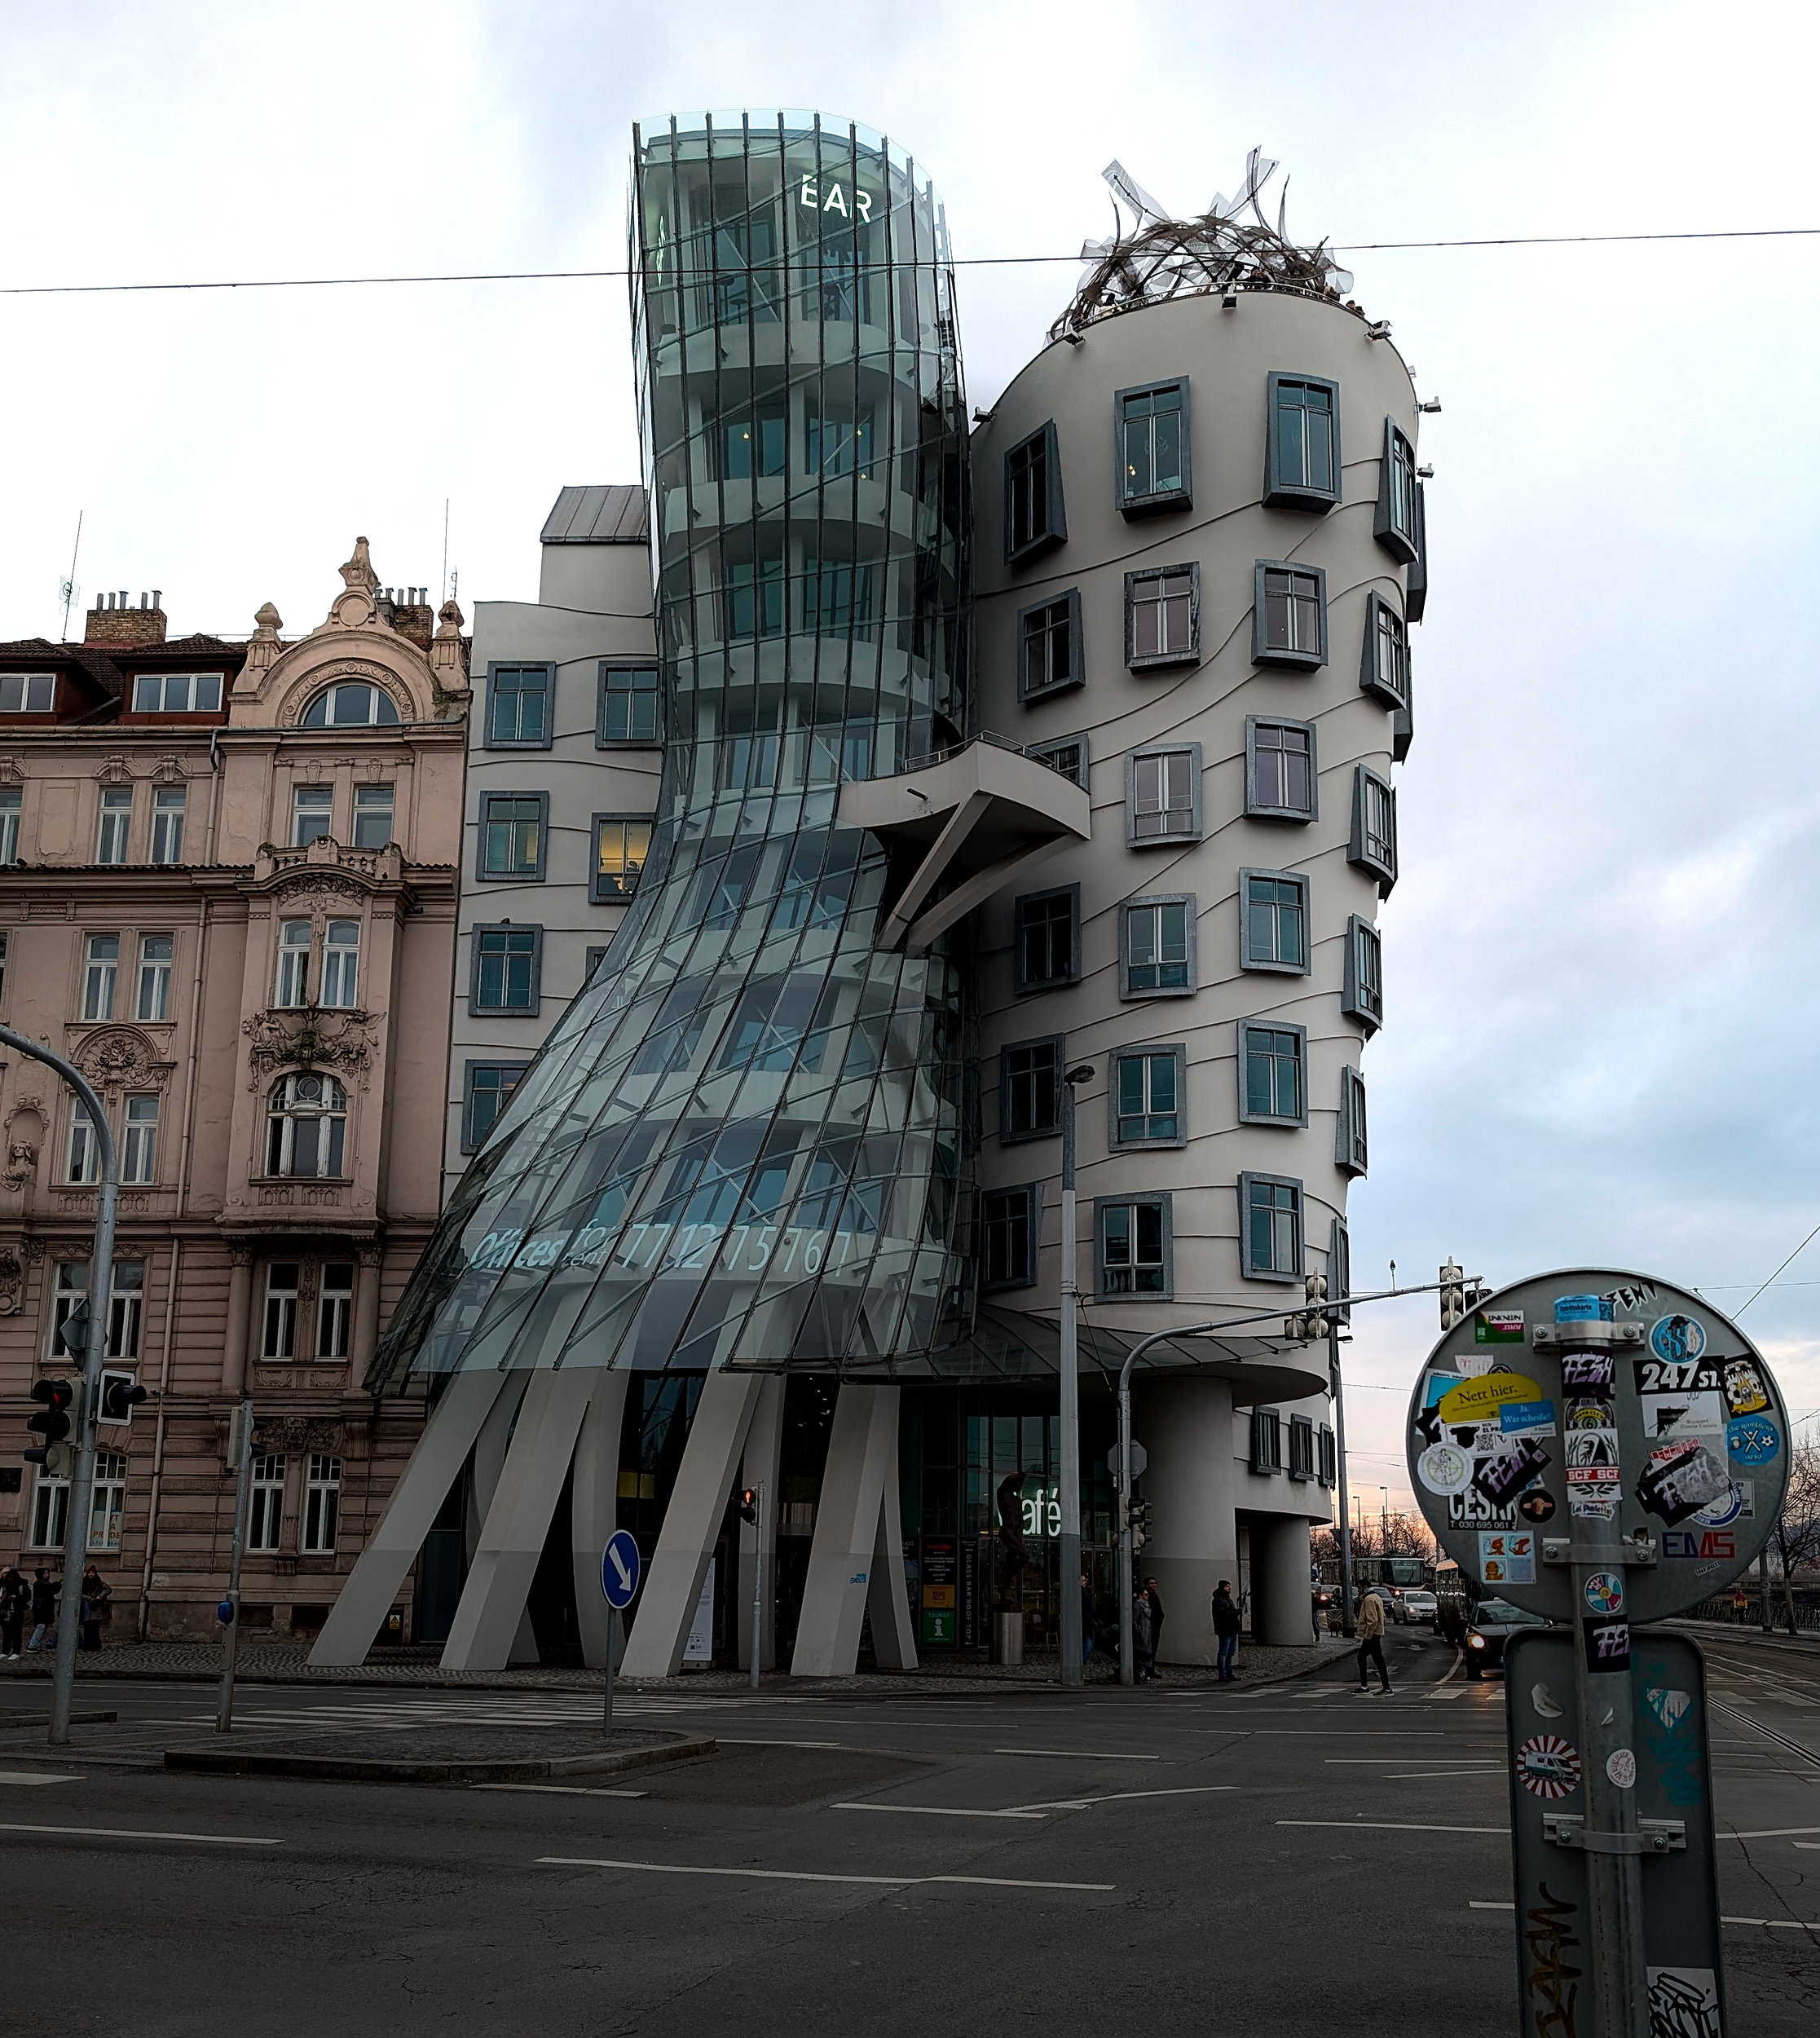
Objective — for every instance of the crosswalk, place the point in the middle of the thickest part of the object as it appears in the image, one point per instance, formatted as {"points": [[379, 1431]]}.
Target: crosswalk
{"points": [[481, 1710]]}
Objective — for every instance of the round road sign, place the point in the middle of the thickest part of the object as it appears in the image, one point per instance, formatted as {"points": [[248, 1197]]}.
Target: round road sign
{"points": [[620, 1565]]}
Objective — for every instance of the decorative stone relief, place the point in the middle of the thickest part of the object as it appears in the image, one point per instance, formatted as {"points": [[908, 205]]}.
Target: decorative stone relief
{"points": [[113, 771], [296, 1433], [12, 1280], [311, 1039], [117, 1058]]}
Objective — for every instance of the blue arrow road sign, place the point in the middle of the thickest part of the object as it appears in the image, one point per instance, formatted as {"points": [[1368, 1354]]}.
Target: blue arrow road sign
{"points": [[620, 1565]]}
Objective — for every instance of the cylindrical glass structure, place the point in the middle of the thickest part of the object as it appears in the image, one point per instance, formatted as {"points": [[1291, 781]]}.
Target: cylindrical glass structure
{"points": [[742, 1143]]}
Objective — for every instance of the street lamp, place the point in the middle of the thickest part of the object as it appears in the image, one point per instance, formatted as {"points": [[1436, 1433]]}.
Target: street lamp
{"points": [[1073, 1667]]}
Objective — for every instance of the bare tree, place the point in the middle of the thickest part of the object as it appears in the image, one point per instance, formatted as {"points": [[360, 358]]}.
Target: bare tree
{"points": [[1797, 1534]]}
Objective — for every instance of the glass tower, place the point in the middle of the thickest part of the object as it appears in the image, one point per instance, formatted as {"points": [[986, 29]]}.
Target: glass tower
{"points": [[742, 1143]]}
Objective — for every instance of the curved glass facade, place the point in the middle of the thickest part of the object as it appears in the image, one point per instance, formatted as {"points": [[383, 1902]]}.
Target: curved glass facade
{"points": [[743, 1142]]}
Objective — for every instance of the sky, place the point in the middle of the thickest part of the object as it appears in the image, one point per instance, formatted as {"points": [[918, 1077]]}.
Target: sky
{"points": [[1600, 958]]}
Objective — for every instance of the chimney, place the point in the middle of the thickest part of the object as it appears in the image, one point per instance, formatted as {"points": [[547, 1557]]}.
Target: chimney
{"points": [[412, 616], [114, 621]]}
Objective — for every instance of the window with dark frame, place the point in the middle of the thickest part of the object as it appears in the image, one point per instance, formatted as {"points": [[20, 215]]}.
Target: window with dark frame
{"points": [[622, 848], [506, 963], [1153, 468], [1067, 756], [1031, 1089], [630, 705], [1303, 460], [1329, 1473], [1270, 1207], [1165, 792], [1351, 1149], [1148, 1102], [490, 1085], [1162, 617], [1008, 1229], [1273, 1073], [1288, 615], [1395, 527], [1279, 769], [1374, 847], [512, 835], [1384, 664], [1301, 1447], [1273, 921], [1362, 990], [1134, 1245], [1049, 645], [1339, 1269], [518, 707], [1034, 515], [1047, 937], [1158, 946]]}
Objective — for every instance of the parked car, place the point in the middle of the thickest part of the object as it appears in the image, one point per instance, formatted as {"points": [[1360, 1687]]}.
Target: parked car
{"points": [[1494, 1622], [1418, 1603]]}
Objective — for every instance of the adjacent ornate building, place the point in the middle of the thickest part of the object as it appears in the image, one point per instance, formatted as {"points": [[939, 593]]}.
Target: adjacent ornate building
{"points": [[229, 871]]}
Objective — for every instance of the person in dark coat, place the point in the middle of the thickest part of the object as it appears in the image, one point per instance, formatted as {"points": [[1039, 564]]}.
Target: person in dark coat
{"points": [[1086, 1621], [1156, 1600], [1144, 1651], [96, 1593], [1226, 1629], [16, 1598], [44, 1612]]}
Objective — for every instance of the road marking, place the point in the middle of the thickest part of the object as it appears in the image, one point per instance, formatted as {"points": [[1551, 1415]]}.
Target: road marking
{"points": [[1771, 1832], [732, 1740], [1118, 1796], [1349, 1733], [1076, 1754], [31, 1776], [1774, 1924], [132, 1833], [1380, 1825], [564, 1790], [938, 1811], [803, 1875], [1419, 1776], [1475, 1905], [1362, 1762]]}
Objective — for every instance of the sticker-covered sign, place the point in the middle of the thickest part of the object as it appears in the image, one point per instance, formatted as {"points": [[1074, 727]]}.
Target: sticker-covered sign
{"points": [[1549, 1766], [1680, 1479], [1498, 1326], [1501, 1479], [1507, 1556], [1479, 1401]]}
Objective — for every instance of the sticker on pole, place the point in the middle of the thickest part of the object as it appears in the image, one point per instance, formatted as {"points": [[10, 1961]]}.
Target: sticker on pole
{"points": [[1621, 1766], [1548, 1767], [620, 1566]]}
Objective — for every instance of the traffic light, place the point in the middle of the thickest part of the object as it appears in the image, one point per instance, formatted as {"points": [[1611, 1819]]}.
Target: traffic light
{"points": [[1453, 1295], [61, 1400], [748, 1505], [1140, 1524], [1299, 1329], [121, 1394]]}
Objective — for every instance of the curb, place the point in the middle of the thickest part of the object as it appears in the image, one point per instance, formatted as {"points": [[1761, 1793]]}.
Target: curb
{"points": [[340, 1769]]}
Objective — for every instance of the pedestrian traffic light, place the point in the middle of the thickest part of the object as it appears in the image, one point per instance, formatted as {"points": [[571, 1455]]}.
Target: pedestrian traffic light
{"points": [[60, 1400], [1140, 1524], [748, 1505], [1453, 1295], [72, 1332], [121, 1394]]}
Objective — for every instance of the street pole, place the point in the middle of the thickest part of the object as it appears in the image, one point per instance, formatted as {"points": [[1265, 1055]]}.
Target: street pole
{"points": [[1073, 1668], [242, 1452], [606, 1682], [1340, 1471], [758, 1584], [94, 1357]]}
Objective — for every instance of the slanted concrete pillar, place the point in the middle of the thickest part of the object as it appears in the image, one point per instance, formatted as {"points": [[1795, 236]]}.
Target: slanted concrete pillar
{"points": [[672, 1586], [758, 1466], [1282, 1598], [1185, 1424], [489, 1460], [593, 1508], [856, 1560]]}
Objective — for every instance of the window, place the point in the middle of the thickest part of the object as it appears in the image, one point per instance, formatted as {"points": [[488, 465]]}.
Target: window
{"points": [[124, 1307], [1301, 1447], [1147, 1097], [622, 847], [631, 706], [512, 830], [1047, 938], [153, 1003], [12, 801], [168, 803], [335, 1310], [1415, 598], [1034, 516], [312, 814], [1266, 1441], [486, 1092], [1030, 1089], [753, 442], [1328, 1460], [508, 968], [1157, 946], [1395, 528], [1280, 779], [1067, 755], [340, 965], [1384, 663], [351, 705], [139, 1154], [1270, 1220], [1049, 646], [592, 962], [837, 595], [293, 988], [1302, 461], [305, 1126], [1134, 1243], [177, 694], [100, 973], [372, 817], [322, 1503], [50, 1512], [837, 442], [28, 693], [107, 1499], [754, 595], [1008, 1223], [1339, 1269], [1273, 1078], [1362, 992], [265, 1504], [1153, 449], [3, 965], [1288, 615], [1162, 617], [1273, 921], [1374, 827], [1162, 794], [83, 1160], [518, 707], [284, 1285], [115, 825], [1351, 1149], [1403, 723]]}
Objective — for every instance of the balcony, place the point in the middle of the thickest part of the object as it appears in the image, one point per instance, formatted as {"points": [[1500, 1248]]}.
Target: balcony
{"points": [[971, 819]]}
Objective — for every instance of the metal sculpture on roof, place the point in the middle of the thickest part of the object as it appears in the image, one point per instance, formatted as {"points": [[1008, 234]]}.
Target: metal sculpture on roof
{"points": [[1152, 256]]}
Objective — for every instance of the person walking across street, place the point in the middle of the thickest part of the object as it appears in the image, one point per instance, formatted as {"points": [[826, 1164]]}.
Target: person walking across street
{"points": [[16, 1598], [1143, 1647], [1226, 1629], [96, 1593], [44, 1612], [1371, 1643]]}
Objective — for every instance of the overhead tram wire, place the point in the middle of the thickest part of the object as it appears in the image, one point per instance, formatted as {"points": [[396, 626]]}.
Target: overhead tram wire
{"points": [[958, 262]]}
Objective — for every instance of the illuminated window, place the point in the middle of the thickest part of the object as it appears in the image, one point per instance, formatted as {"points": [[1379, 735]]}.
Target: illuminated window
{"points": [[622, 846], [1153, 449]]}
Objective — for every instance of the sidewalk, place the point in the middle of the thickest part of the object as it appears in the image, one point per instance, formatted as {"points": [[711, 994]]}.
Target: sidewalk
{"points": [[286, 1663]]}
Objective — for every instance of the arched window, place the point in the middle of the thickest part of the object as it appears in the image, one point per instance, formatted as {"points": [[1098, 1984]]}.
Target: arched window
{"points": [[351, 704], [306, 1126]]}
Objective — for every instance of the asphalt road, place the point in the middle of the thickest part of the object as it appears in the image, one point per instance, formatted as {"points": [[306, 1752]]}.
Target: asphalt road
{"points": [[1287, 1859]]}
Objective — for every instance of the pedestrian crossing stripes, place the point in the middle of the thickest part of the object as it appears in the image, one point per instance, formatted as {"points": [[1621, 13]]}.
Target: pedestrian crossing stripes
{"points": [[479, 1711]]}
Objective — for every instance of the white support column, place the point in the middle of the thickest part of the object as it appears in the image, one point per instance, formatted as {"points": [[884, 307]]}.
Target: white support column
{"points": [[673, 1580], [593, 1509], [758, 1466], [489, 1459], [380, 1571], [1185, 1424], [1281, 1591], [856, 1559], [487, 1622]]}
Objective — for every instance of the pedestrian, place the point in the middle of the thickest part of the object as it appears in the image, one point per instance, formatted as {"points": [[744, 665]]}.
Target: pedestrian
{"points": [[1371, 1643], [96, 1593], [1156, 1600], [1086, 1621], [15, 1597], [1226, 1629], [44, 1612], [1143, 1653]]}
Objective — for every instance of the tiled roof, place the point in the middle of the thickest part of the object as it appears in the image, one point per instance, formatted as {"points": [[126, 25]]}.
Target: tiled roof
{"points": [[614, 514], [89, 659]]}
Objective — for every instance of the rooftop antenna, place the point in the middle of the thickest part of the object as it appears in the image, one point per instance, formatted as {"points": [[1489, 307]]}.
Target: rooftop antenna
{"points": [[69, 587], [445, 549]]}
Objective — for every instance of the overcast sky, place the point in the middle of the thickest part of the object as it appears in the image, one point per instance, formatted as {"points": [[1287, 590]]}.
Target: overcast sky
{"points": [[1601, 958]]}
